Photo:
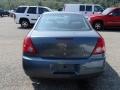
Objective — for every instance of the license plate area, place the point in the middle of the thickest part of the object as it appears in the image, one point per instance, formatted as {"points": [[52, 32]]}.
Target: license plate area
{"points": [[64, 68]]}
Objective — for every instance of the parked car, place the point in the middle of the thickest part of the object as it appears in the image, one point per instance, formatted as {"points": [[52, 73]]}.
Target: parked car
{"points": [[6, 13], [63, 45], [85, 9], [108, 19], [27, 15], [12, 12], [1, 12]]}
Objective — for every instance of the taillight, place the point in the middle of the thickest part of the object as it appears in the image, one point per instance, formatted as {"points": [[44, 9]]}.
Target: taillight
{"points": [[28, 46], [100, 46]]}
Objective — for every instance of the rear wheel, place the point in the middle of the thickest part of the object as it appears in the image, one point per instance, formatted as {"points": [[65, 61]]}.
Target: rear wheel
{"points": [[36, 80], [33, 79], [1, 15], [25, 23], [98, 26]]}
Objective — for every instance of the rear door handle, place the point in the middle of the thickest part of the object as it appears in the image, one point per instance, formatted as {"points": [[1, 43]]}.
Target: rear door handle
{"points": [[27, 15]]}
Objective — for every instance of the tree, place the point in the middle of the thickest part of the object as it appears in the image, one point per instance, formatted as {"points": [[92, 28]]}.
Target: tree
{"points": [[40, 3]]}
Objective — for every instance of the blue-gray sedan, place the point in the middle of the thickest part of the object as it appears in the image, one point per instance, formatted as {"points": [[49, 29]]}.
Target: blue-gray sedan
{"points": [[63, 45]]}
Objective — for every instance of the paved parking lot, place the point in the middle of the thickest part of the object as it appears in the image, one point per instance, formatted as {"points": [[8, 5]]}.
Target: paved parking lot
{"points": [[12, 76]]}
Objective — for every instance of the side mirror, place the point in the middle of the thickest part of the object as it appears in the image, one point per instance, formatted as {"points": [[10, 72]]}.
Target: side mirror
{"points": [[60, 9], [99, 12], [110, 14]]}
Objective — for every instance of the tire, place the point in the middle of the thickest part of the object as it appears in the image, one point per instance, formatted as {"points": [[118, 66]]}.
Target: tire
{"points": [[98, 26], [35, 80], [1, 15], [25, 23]]}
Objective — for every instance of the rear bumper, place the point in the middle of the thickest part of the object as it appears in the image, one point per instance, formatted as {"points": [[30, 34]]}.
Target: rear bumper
{"points": [[41, 68]]}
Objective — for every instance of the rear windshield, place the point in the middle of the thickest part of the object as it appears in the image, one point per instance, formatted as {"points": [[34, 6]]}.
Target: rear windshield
{"points": [[21, 9], [62, 22]]}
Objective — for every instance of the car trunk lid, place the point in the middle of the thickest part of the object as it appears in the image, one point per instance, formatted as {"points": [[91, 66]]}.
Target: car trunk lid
{"points": [[64, 44]]}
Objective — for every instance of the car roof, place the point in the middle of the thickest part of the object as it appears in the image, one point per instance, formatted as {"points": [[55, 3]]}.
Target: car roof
{"points": [[36, 6], [32, 6], [82, 4]]}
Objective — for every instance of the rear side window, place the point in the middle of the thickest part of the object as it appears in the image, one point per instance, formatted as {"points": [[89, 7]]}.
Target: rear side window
{"points": [[32, 10], [42, 10], [88, 8], [21, 9], [82, 8]]}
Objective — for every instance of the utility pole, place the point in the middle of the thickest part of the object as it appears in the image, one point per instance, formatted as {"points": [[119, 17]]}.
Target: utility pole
{"points": [[114, 2], [9, 3], [39, 3]]}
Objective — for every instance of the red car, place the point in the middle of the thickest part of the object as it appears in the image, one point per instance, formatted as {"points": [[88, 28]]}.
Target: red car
{"points": [[109, 18]]}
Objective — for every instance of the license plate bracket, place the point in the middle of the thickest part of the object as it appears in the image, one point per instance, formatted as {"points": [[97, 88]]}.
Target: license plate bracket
{"points": [[64, 68]]}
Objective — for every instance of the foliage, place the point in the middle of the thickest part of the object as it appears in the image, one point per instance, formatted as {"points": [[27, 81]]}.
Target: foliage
{"points": [[55, 4]]}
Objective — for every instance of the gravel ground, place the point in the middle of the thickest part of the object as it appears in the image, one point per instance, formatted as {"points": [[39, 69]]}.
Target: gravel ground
{"points": [[12, 76]]}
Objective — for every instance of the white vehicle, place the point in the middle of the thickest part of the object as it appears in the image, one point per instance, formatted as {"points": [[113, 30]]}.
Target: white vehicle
{"points": [[85, 9], [27, 15]]}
